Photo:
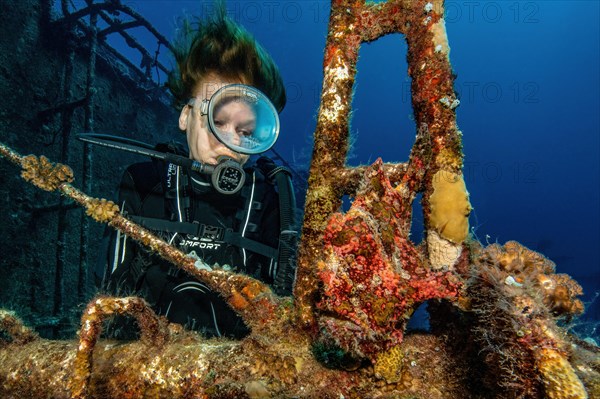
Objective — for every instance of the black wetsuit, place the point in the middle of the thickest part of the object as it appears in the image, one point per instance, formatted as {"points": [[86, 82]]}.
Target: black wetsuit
{"points": [[161, 191]]}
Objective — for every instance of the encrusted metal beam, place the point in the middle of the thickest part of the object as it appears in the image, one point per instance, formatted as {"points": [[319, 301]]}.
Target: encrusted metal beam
{"points": [[352, 23]]}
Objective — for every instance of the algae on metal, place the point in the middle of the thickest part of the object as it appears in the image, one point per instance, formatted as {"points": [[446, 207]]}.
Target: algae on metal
{"points": [[494, 309]]}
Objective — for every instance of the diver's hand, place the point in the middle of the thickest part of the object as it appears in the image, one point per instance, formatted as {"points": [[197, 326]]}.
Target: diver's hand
{"points": [[200, 264]]}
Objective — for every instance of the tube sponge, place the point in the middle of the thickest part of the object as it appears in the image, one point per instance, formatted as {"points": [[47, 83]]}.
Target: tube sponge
{"points": [[450, 206]]}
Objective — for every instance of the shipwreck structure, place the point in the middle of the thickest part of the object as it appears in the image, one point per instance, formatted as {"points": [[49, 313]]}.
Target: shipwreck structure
{"points": [[493, 309], [57, 65]]}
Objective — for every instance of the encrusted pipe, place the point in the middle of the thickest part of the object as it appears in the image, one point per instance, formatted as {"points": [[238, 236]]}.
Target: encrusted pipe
{"points": [[350, 24], [153, 332], [348, 179]]}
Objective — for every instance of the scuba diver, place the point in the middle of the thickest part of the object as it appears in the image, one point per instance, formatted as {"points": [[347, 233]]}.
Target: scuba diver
{"points": [[206, 202]]}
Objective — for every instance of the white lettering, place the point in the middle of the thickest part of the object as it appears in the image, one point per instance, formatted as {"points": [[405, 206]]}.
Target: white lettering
{"points": [[200, 244], [170, 172]]}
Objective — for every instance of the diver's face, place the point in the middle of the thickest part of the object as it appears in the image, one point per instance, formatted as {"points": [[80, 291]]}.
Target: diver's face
{"points": [[204, 146]]}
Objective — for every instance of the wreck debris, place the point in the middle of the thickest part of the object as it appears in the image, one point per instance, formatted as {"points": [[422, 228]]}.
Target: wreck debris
{"points": [[17, 332], [352, 23], [359, 279], [189, 366]]}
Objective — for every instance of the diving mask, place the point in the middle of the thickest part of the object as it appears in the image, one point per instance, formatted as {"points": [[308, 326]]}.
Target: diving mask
{"points": [[241, 117]]}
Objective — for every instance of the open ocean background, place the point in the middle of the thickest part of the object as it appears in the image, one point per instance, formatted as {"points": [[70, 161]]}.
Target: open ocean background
{"points": [[528, 80]]}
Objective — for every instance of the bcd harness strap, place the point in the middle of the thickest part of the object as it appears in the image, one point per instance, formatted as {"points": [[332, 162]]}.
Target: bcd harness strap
{"points": [[283, 256], [200, 230]]}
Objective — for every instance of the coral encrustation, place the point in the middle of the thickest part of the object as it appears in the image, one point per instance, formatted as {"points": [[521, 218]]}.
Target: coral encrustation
{"points": [[516, 296], [373, 277]]}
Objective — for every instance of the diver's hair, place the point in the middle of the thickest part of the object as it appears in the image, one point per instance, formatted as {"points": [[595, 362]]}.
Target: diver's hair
{"points": [[220, 46]]}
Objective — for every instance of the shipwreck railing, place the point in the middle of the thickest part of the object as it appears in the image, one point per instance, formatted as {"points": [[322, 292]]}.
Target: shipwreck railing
{"points": [[78, 29]]}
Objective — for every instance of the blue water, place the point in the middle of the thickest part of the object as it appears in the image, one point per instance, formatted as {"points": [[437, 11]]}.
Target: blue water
{"points": [[528, 80]]}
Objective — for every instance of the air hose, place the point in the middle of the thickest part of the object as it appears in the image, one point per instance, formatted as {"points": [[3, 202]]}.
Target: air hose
{"points": [[288, 236]]}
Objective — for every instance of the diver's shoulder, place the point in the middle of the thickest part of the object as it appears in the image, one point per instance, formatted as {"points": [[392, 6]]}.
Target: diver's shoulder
{"points": [[140, 168], [145, 177]]}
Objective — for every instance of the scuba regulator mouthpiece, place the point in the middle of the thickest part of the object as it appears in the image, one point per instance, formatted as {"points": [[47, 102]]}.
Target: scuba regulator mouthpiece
{"points": [[227, 176]]}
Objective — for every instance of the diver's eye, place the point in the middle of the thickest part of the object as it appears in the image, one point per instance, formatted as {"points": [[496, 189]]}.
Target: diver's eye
{"points": [[219, 123], [244, 132]]}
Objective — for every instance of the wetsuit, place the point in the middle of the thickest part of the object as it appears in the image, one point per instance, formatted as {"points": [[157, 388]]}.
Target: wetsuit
{"points": [[153, 192]]}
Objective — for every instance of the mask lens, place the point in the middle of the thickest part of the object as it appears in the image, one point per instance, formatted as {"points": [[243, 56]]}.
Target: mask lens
{"points": [[243, 119]]}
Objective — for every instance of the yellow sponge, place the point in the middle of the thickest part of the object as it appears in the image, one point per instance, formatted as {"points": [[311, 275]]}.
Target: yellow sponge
{"points": [[450, 206], [389, 365]]}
